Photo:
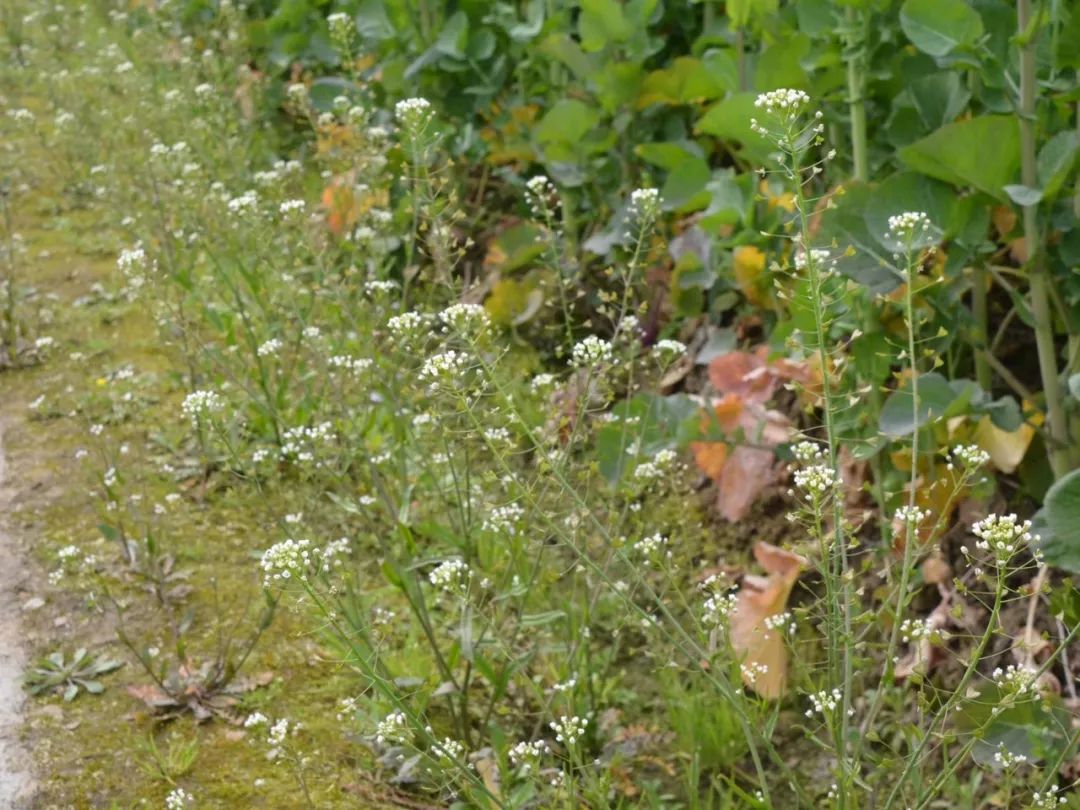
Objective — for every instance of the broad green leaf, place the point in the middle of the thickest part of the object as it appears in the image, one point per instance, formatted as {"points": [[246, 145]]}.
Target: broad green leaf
{"points": [[908, 191], [939, 97], [780, 65], [1060, 542], [602, 22], [667, 154], [454, 36], [684, 189], [568, 122], [1024, 195], [901, 417], [729, 120], [981, 152], [937, 27], [1056, 161], [684, 81]]}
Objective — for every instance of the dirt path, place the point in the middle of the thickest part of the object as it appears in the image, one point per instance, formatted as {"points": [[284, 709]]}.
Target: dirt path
{"points": [[16, 781]]}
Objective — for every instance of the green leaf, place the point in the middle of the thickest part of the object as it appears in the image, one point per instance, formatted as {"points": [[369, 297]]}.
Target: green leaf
{"points": [[982, 152], [602, 22], [729, 120], [1060, 542], [70, 692], [1056, 161], [541, 619], [684, 190], [939, 98], [900, 417], [937, 27], [567, 122], [1024, 195]]}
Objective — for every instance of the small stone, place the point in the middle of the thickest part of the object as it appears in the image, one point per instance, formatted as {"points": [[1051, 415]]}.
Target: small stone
{"points": [[33, 603]]}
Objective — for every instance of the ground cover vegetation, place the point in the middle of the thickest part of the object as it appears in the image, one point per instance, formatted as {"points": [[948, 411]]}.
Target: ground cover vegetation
{"points": [[538, 404]]}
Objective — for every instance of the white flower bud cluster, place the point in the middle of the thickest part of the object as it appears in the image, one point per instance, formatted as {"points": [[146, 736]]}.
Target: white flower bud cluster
{"points": [[1003, 536], [590, 352], [504, 519], [916, 630], [908, 225], [393, 728], [200, 404], [660, 466], [1048, 800], [568, 730], [1015, 680], [413, 114], [816, 481], [444, 371], [807, 452], [670, 349], [541, 195], [407, 324], [784, 102], [652, 548], [452, 575], [825, 702], [645, 204], [910, 515], [969, 456], [284, 561], [465, 319], [526, 755]]}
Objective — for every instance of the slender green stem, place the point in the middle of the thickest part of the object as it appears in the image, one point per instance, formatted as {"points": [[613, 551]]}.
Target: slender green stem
{"points": [[1057, 426]]}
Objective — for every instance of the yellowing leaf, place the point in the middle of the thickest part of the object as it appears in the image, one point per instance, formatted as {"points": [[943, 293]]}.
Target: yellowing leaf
{"points": [[777, 199], [749, 264], [1006, 449], [762, 651]]}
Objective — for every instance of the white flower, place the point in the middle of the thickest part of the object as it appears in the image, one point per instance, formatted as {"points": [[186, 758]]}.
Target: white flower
{"points": [[541, 195], [652, 548], [286, 560], [269, 348], [291, 207], [1003, 536], [445, 370], [825, 702], [784, 102], [452, 575], [393, 728], [908, 225], [255, 719], [200, 404], [407, 324], [1015, 680], [592, 351], [178, 799], [504, 519], [465, 319], [645, 204], [807, 452], [970, 456], [910, 515], [526, 755], [413, 114], [816, 481], [568, 730], [672, 348], [1048, 800]]}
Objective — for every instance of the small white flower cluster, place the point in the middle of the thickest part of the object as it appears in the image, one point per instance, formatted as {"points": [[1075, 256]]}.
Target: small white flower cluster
{"points": [[669, 349], [568, 730], [255, 719], [448, 748], [341, 26], [816, 481], [1048, 800], [541, 195], [916, 629], [908, 225], [784, 622], [504, 519], [752, 671], [592, 351], [353, 365], [783, 102], [269, 348], [285, 560], [393, 728], [291, 207], [910, 515], [133, 263], [178, 799], [807, 452], [453, 576], [278, 732], [821, 258], [380, 286], [526, 755], [660, 466], [1003, 536], [1005, 758], [970, 456], [1015, 680], [413, 114], [244, 204], [541, 383], [645, 204], [407, 324], [299, 443], [825, 702], [200, 404], [719, 604], [443, 372], [465, 319], [652, 549]]}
